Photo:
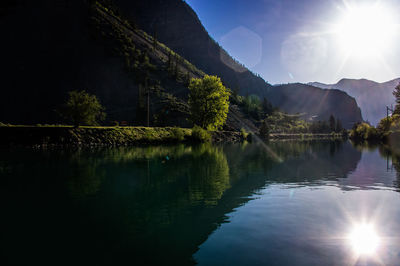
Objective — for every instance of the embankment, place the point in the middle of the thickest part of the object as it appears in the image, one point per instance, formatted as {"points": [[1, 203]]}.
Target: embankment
{"points": [[124, 136], [103, 136]]}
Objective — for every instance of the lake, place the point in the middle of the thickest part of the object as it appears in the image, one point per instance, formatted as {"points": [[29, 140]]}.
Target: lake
{"points": [[285, 203]]}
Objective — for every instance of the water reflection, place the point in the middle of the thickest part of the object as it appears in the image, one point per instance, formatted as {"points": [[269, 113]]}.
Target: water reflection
{"points": [[364, 239], [160, 204]]}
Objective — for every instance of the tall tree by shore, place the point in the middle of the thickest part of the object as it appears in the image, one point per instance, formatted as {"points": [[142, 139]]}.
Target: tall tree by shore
{"points": [[83, 108], [209, 102]]}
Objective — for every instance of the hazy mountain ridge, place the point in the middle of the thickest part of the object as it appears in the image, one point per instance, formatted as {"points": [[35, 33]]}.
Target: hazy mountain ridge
{"points": [[371, 96]]}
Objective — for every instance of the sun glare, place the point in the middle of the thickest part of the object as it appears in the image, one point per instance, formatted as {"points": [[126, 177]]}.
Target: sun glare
{"points": [[365, 30], [364, 239]]}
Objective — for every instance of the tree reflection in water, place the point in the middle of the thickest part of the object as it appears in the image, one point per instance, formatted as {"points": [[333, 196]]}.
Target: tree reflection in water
{"points": [[152, 204]]}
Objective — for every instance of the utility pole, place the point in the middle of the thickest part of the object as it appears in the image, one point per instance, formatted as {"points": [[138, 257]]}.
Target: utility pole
{"points": [[148, 102], [148, 107], [387, 111]]}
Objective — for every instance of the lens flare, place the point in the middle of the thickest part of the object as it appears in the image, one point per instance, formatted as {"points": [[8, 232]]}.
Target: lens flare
{"points": [[364, 239]]}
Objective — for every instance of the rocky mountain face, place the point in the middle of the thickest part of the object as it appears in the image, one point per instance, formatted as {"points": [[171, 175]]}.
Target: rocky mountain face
{"points": [[371, 96], [315, 103]]}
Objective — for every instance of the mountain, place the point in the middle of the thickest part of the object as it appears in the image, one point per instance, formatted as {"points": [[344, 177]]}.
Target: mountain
{"points": [[372, 97], [315, 103], [110, 48], [52, 47], [175, 23]]}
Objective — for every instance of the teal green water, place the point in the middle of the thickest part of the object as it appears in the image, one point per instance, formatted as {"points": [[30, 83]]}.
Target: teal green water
{"points": [[289, 203]]}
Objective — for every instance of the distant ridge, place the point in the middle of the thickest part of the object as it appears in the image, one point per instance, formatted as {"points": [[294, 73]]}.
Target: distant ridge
{"points": [[371, 96]]}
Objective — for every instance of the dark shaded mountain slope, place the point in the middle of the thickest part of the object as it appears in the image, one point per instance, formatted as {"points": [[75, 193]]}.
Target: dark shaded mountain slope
{"points": [[176, 24], [52, 47], [372, 97], [316, 103]]}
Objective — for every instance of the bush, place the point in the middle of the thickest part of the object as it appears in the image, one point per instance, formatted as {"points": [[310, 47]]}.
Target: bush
{"points": [[252, 106], [244, 133], [250, 137], [387, 124], [199, 134], [178, 134], [364, 131], [264, 130]]}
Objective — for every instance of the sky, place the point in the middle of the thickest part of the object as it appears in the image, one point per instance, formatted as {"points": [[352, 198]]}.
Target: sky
{"points": [[289, 41]]}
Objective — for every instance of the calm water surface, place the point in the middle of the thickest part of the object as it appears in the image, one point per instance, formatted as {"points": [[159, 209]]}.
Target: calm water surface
{"points": [[290, 203]]}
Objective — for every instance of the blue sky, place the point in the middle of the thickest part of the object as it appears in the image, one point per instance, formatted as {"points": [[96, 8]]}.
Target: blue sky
{"points": [[299, 41]]}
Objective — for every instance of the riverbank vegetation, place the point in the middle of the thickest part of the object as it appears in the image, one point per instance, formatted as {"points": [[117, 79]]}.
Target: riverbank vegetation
{"points": [[60, 135], [88, 135], [282, 123], [388, 127]]}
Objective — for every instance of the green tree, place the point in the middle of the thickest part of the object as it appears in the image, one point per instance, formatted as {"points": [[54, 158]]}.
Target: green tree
{"points": [[267, 107], [339, 126], [155, 42], [332, 123], [187, 79], [252, 106], [396, 94], [169, 62], [176, 69], [83, 109], [363, 131], [264, 130], [235, 91], [209, 102]]}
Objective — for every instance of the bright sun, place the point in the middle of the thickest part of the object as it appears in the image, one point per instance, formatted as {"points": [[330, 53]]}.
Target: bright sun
{"points": [[364, 239], [365, 30]]}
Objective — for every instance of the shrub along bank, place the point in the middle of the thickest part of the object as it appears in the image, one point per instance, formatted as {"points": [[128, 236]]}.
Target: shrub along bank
{"points": [[387, 127]]}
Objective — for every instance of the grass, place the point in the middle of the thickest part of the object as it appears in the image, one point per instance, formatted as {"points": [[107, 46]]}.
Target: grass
{"points": [[97, 135]]}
